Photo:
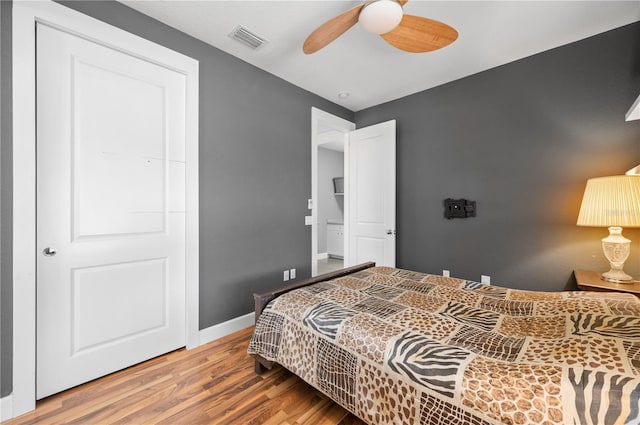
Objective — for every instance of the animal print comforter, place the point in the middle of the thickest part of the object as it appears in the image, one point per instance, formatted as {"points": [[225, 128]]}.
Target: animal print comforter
{"points": [[400, 347]]}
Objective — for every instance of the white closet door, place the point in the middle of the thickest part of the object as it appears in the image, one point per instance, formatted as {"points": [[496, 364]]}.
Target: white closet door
{"points": [[110, 210]]}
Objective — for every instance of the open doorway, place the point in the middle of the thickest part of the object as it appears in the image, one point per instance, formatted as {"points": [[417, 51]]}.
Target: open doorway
{"points": [[367, 202], [330, 206], [330, 200]]}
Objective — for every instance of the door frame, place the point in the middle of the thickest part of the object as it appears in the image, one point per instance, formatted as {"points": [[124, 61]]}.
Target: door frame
{"points": [[319, 116], [25, 16]]}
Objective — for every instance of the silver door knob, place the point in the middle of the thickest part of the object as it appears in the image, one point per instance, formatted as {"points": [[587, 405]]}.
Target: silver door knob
{"points": [[391, 232], [49, 252]]}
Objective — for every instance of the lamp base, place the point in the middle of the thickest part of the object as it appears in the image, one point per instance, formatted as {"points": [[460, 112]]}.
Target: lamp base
{"points": [[616, 248], [617, 276]]}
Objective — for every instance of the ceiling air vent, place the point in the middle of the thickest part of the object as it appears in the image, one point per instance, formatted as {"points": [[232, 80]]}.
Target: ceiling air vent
{"points": [[247, 38]]}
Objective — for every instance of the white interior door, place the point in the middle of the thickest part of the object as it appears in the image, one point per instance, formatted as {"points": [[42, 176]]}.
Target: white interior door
{"points": [[372, 195], [110, 210]]}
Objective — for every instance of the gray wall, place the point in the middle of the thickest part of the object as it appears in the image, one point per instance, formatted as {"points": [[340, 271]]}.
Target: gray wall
{"points": [[330, 165], [255, 173], [521, 140]]}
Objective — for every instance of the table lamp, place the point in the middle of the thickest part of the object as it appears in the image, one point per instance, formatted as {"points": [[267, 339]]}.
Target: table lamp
{"points": [[612, 202]]}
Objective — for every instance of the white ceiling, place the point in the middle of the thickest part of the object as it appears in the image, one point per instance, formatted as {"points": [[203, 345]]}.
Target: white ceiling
{"points": [[492, 33]]}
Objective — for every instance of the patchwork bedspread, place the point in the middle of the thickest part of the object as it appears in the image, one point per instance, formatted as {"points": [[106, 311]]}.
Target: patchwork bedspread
{"points": [[400, 347]]}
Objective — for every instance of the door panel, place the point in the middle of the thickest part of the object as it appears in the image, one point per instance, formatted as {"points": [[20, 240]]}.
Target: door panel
{"points": [[98, 291], [111, 203], [130, 140], [369, 249], [370, 196], [372, 180]]}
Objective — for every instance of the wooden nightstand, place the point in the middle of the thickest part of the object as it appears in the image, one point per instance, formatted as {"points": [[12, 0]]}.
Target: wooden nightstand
{"points": [[592, 281]]}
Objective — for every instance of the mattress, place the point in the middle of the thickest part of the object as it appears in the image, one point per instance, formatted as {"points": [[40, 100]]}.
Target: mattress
{"points": [[396, 346]]}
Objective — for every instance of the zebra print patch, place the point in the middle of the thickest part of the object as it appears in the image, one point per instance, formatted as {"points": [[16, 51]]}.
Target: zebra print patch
{"points": [[625, 327], [492, 291], [379, 308], [326, 318], [632, 349], [361, 274], [510, 308], [421, 287], [470, 284], [407, 274], [489, 344], [426, 361], [624, 308], [604, 398], [319, 287], [384, 292], [468, 315]]}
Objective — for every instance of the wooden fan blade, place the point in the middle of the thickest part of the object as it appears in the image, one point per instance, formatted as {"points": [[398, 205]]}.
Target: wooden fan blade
{"points": [[416, 34], [331, 30]]}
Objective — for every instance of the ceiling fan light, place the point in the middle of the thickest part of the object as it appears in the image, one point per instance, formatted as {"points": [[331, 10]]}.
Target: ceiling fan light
{"points": [[381, 16]]}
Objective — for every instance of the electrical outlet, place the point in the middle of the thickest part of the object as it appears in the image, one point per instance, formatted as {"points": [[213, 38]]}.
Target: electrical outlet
{"points": [[485, 279], [292, 273], [285, 275], [446, 273]]}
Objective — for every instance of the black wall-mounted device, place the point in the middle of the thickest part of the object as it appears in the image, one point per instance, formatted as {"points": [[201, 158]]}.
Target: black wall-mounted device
{"points": [[459, 208]]}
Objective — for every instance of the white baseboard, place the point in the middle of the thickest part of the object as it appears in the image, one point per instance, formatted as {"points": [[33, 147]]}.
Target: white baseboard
{"points": [[223, 329], [6, 408], [322, 256]]}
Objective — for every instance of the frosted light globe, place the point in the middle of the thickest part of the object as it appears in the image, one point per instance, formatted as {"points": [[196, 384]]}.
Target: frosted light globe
{"points": [[381, 16]]}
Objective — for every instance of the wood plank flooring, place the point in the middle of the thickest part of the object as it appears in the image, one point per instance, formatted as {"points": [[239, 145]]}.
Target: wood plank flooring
{"points": [[212, 384]]}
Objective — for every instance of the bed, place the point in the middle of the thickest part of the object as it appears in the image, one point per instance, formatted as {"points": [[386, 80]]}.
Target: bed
{"points": [[396, 346]]}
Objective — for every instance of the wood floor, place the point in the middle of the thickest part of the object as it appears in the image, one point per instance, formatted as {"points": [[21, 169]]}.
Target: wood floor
{"points": [[212, 384]]}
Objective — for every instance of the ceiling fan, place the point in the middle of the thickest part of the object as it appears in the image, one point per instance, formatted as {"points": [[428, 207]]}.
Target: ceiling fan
{"points": [[410, 33]]}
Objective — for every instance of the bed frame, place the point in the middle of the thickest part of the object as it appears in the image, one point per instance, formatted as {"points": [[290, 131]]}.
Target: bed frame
{"points": [[262, 299]]}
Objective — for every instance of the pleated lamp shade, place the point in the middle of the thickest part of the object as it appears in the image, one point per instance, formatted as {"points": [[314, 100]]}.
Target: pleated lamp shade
{"points": [[611, 201]]}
